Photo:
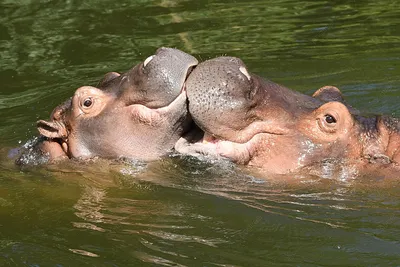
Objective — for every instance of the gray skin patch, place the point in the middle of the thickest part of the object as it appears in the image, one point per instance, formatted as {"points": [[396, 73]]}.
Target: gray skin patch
{"points": [[215, 99], [157, 81]]}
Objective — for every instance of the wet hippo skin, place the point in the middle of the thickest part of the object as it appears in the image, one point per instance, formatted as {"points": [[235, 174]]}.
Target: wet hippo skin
{"points": [[253, 121], [139, 114]]}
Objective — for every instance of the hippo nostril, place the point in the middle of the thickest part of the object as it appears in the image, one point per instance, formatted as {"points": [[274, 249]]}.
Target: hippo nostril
{"points": [[147, 60]]}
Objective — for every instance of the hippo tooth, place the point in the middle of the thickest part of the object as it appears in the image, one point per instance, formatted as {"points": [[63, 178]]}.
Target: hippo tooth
{"points": [[244, 71], [147, 60]]}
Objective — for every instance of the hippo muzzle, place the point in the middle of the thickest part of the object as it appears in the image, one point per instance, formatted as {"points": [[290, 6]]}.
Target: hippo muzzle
{"points": [[156, 81]]}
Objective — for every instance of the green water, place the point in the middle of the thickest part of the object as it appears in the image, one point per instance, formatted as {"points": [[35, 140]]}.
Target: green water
{"points": [[183, 211]]}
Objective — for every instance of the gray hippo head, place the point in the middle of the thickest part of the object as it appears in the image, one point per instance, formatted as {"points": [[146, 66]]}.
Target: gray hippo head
{"points": [[139, 114]]}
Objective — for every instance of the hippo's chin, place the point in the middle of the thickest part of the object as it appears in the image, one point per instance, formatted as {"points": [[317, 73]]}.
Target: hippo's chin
{"points": [[234, 151]]}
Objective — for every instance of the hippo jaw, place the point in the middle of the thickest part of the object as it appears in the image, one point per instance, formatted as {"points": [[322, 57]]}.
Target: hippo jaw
{"points": [[260, 150]]}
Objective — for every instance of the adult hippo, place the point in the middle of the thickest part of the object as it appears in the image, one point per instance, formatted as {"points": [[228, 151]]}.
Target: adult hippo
{"points": [[140, 114], [253, 121]]}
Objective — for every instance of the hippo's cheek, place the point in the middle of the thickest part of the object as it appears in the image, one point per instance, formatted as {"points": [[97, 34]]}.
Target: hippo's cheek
{"points": [[77, 148]]}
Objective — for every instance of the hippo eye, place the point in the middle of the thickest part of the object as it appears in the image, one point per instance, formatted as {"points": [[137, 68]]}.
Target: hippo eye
{"points": [[88, 102], [330, 119]]}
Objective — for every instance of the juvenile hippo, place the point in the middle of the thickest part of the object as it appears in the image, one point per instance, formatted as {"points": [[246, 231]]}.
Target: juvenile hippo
{"points": [[253, 121], [140, 114]]}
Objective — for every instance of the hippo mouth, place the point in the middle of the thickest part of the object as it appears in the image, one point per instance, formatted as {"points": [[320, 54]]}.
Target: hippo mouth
{"points": [[239, 149], [209, 146], [235, 151]]}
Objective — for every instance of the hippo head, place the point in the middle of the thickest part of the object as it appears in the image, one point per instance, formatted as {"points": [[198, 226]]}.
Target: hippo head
{"points": [[253, 121], [139, 114]]}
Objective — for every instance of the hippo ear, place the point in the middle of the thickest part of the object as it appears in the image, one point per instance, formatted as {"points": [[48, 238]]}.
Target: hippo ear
{"points": [[107, 78], [328, 94], [52, 129], [334, 119], [332, 93]]}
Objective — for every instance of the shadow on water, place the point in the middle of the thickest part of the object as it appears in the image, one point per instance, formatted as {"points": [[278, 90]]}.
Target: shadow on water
{"points": [[183, 211]]}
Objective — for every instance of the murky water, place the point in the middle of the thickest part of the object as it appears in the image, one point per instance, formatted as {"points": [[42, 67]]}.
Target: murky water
{"points": [[183, 211]]}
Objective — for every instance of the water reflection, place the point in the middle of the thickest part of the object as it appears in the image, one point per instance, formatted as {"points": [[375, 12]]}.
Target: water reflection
{"points": [[173, 211], [182, 211], [89, 207]]}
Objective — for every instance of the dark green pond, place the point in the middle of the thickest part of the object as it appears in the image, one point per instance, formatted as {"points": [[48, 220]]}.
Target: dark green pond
{"points": [[183, 211]]}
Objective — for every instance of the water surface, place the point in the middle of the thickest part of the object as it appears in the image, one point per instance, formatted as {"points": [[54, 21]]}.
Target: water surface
{"points": [[184, 211]]}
